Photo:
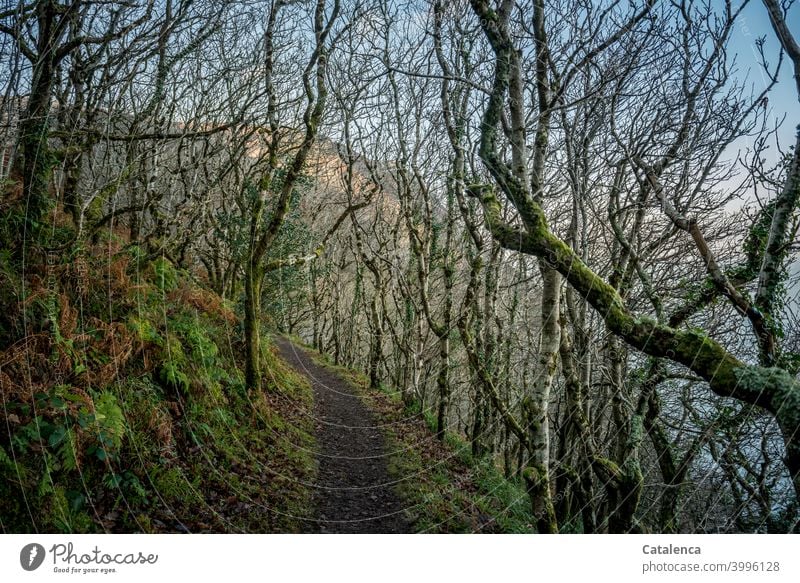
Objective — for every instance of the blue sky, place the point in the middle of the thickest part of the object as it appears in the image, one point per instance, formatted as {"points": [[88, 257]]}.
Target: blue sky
{"points": [[754, 23]]}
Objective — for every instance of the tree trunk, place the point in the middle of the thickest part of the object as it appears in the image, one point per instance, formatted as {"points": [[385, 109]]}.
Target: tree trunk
{"points": [[443, 386], [252, 327], [537, 474], [376, 345]]}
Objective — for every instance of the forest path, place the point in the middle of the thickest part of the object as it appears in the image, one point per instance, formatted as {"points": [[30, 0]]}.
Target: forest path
{"points": [[353, 491]]}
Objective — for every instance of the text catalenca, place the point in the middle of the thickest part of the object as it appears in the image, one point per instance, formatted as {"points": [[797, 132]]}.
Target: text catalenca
{"points": [[670, 550], [65, 554]]}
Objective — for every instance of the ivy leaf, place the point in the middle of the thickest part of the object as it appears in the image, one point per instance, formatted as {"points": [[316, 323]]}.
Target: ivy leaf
{"points": [[58, 403], [85, 419], [57, 436]]}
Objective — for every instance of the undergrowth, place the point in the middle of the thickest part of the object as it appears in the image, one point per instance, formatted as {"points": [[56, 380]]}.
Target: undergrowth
{"points": [[125, 406]]}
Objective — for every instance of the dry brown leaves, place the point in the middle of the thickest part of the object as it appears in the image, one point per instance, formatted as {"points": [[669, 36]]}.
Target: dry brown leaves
{"points": [[161, 425], [204, 301]]}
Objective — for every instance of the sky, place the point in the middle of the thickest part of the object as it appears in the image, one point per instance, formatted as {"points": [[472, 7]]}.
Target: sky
{"points": [[783, 99]]}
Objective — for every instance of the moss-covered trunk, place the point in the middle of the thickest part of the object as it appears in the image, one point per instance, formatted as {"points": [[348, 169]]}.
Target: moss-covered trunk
{"points": [[35, 159], [772, 388], [252, 327], [580, 439]]}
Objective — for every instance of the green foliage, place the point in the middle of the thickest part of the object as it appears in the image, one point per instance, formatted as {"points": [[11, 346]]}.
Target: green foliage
{"points": [[284, 379], [68, 435], [6, 462], [67, 450], [203, 350], [754, 247], [173, 378], [66, 512], [286, 287], [120, 444], [170, 372], [110, 421], [145, 331], [789, 361], [457, 493], [173, 485], [756, 241], [166, 276], [138, 257]]}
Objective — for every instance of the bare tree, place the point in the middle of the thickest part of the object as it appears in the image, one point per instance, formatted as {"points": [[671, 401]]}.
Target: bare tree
{"points": [[771, 388]]}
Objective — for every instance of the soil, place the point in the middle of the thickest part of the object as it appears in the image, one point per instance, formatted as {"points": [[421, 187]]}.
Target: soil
{"points": [[353, 492]]}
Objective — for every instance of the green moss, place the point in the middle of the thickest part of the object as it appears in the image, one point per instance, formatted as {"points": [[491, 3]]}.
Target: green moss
{"points": [[173, 485], [609, 468], [632, 482], [782, 389], [636, 434]]}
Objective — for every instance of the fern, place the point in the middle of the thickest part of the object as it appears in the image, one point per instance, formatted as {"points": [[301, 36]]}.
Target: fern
{"points": [[110, 420], [204, 350], [46, 483], [67, 452], [166, 275], [172, 377], [5, 461], [144, 330]]}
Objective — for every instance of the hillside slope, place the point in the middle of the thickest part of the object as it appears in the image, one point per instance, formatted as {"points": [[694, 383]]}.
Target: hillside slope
{"points": [[125, 409]]}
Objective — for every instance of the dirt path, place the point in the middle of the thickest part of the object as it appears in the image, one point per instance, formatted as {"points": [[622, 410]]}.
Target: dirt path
{"points": [[353, 491]]}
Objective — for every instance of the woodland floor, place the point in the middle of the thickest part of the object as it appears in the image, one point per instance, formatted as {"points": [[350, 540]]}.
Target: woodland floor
{"points": [[353, 492]]}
